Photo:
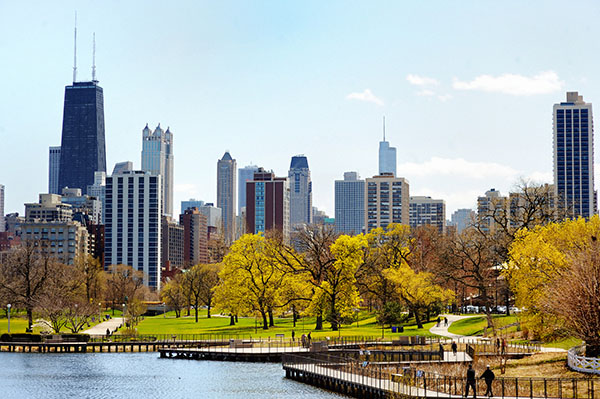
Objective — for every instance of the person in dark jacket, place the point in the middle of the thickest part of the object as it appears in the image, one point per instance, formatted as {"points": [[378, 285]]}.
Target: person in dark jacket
{"points": [[470, 381], [454, 348], [488, 376]]}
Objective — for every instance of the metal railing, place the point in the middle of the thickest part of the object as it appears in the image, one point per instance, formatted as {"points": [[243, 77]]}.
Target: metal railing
{"points": [[413, 382]]}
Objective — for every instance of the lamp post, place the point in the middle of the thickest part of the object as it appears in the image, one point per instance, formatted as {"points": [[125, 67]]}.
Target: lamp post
{"points": [[123, 314], [8, 313], [164, 310]]}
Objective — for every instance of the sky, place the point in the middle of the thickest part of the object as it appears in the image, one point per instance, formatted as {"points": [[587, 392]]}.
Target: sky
{"points": [[466, 87]]}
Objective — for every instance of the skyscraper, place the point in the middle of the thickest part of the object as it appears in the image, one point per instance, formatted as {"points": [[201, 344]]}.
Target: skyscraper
{"points": [[53, 169], [157, 158], [300, 192], [2, 221], [462, 218], [387, 201], [268, 204], [191, 203], [490, 207], [387, 156], [226, 176], [83, 149], [350, 204], [428, 211], [244, 174], [133, 223], [195, 237], [574, 156]]}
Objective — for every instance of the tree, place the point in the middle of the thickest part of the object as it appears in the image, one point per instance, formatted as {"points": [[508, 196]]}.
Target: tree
{"points": [[91, 274], [200, 282], [123, 284], [172, 294], [24, 275]]}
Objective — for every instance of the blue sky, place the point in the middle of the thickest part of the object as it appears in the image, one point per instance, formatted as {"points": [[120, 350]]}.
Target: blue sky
{"points": [[466, 87]]}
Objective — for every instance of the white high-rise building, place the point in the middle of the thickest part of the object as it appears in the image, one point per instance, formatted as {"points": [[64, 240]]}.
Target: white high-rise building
{"points": [[300, 192], [2, 221], [53, 170], [574, 156], [428, 211], [98, 190], [350, 204], [387, 156], [133, 223], [226, 186], [387, 201], [244, 174], [157, 158]]}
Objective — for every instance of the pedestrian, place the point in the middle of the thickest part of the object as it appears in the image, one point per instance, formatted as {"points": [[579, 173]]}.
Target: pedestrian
{"points": [[438, 321], [303, 340], [470, 382], [107, 333], [445, 322], [503, 346], [293, 335], [497, 345], [309, 338], [488, 376], [454, 348]]}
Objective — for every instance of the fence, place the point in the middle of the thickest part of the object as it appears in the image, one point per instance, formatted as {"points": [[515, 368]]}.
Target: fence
{"points": [[413, 382], [577, 361]]}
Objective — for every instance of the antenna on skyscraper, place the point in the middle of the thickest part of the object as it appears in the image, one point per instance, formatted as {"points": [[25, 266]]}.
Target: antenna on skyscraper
{"points": [[75, 51], [384, 128], [94, 60]]}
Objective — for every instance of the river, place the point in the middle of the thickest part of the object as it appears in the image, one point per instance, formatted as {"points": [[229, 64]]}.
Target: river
{"points": [[143, 375]]}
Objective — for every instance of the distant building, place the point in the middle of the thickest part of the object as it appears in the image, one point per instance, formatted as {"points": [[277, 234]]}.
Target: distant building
{"points": [[157, 158], [226, 186], [50, 208], [98, 190], [387, 156], [267, 204], [8, 241], [574, 156], [13, 222], [65, 240], [462, 218], [133, 223], [172, 243], [195, 237], [53, 169], [300, 192], [425, 211], [244, 174], [490, 207], [387, 201], [189, 204], [83, 205], [214, 219], [350, 204], [318, 216], [83, 149], [120, 167], [2, 219]]}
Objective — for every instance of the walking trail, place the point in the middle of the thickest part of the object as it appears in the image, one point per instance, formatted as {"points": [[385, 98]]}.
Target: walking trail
{"points": [[100, 329]]}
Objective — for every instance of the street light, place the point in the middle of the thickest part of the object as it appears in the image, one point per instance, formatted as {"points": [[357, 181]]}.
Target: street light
{"points": [[8, 313], [123, 314], [164, 310]]}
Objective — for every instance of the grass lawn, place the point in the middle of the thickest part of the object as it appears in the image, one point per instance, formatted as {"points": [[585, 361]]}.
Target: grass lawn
{"points": [[476, 325], [246, 327]]}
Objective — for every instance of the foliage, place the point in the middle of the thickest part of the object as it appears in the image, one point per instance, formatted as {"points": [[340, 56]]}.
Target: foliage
{"points": [[172, 294], [199, 282]]}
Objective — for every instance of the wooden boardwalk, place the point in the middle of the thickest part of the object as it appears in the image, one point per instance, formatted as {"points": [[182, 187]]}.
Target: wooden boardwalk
{"points": [[242, 354]]}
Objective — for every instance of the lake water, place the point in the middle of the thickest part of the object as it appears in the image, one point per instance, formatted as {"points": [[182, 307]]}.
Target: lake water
{"points": [[143, 375]]}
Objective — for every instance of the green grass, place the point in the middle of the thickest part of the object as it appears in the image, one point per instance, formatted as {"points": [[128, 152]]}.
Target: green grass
{"points": [[564, 343], [367, 326], [475, 325]]}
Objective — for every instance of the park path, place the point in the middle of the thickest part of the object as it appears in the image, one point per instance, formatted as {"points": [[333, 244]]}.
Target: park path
{"points": [[443, 331], [100, 329]]}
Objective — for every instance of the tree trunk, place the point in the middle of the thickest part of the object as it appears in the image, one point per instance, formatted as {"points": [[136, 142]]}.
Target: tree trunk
{"points": [[196, 311], [208, 309], [294, 315], [236, 318], [271, 319], [319, 323], [231, 320], [265, 321], [418, 319], [592, 350], [29, 318]]}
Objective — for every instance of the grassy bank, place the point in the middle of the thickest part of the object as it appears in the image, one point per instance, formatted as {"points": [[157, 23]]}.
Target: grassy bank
{"points": [[476, 325]]}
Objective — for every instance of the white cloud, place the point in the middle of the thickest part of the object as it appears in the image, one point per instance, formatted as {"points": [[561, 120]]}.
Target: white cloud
{"points": [[421, 80], [457, 167], [444, 97], [516, 85], [366, 95], [426, 93]]}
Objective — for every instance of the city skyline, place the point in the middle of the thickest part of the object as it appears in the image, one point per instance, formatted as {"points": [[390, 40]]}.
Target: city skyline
{"points": [[487, 89]]}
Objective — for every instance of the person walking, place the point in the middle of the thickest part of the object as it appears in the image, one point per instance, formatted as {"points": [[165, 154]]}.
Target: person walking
{"points": [[454, 348], [470, 382], [488, 376], [438, 321], [293, 335], [445, 322]]}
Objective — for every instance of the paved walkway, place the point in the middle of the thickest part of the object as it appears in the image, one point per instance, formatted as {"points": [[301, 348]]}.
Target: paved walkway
{"points": [[100, 329]]}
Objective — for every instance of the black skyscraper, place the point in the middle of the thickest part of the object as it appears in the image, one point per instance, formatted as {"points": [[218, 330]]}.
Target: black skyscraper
{"points": [[83, 151]]}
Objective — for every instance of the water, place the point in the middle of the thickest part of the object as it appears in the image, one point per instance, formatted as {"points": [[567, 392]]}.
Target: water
{"points": [[143, 375]]}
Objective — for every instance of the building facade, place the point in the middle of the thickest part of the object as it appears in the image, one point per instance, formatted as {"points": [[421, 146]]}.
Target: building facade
{"points": [[267, 204], [53, 169], [50, 208], [491, 207], [350, 204], [83, 149], [157, 158], [195, 237], [574, 156], [133, 223], [462, 218], [2, 220], [426, 211], [244, 174], [300, 192], [172, 243], [226, 196], [387, 201], [189, 204], [98, 190], [387, 156], [64, 240]]}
